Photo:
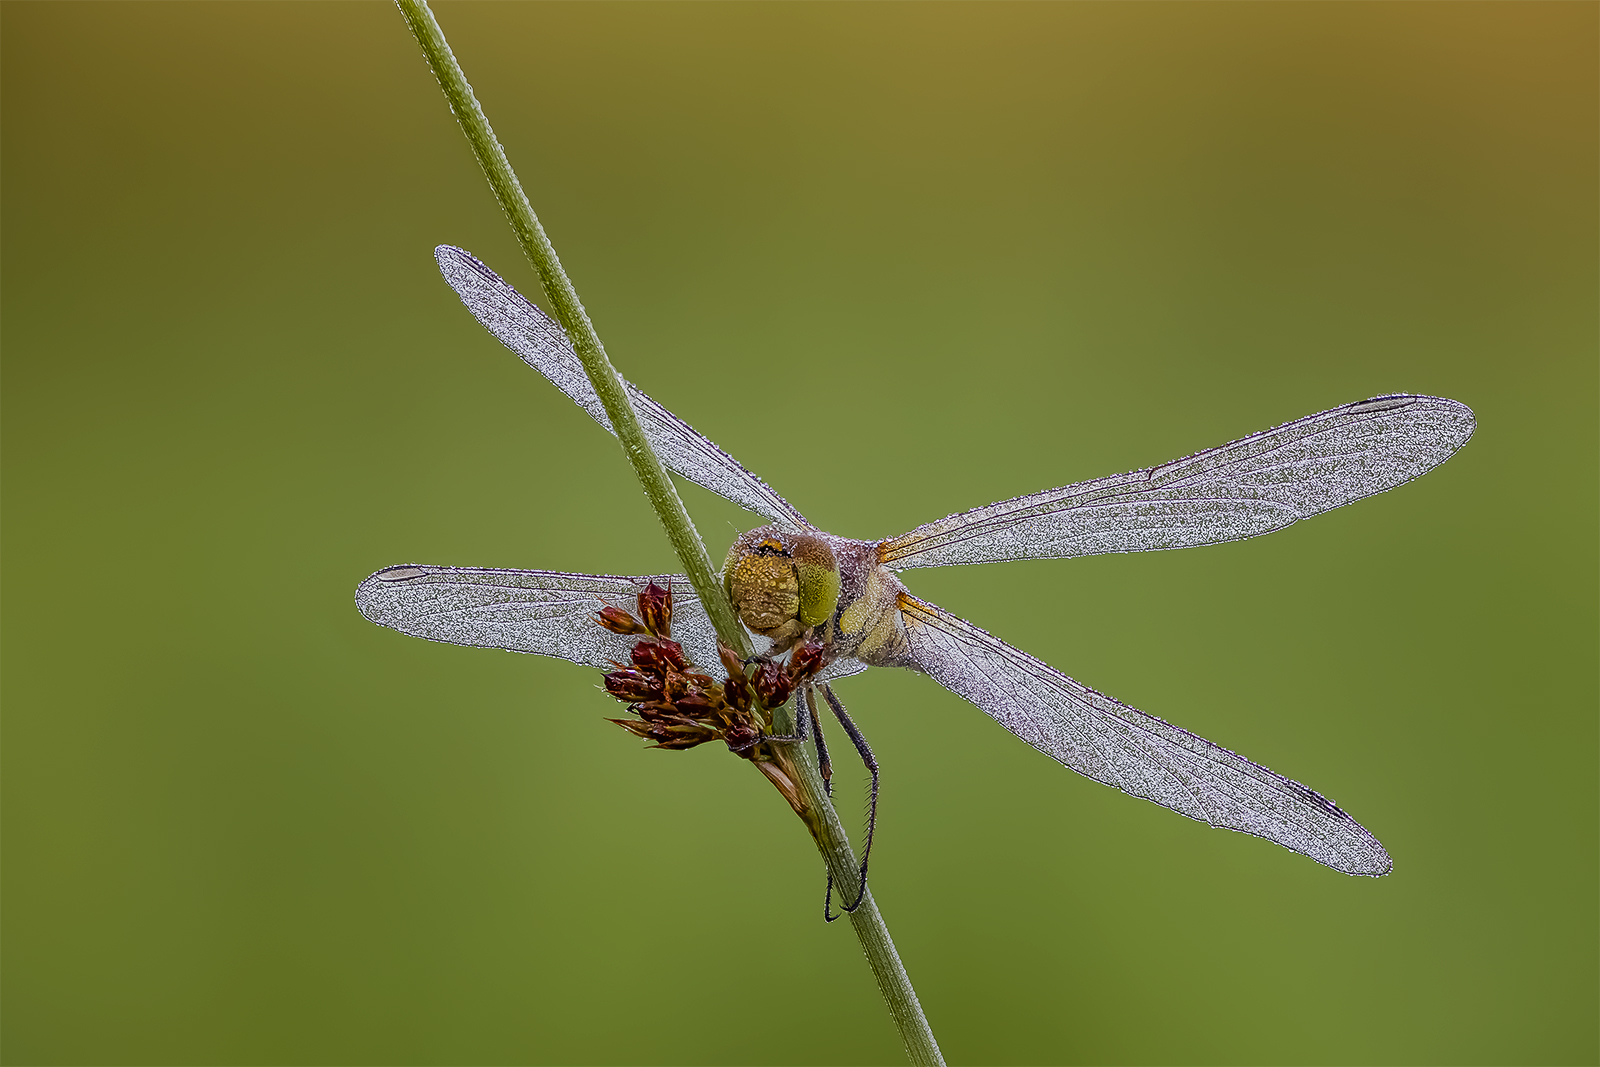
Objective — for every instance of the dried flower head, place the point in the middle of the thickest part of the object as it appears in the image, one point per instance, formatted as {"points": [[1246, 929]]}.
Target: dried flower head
{"points": [[659, 656], [680, 707], [655, 609], [620, 622], [772, 683], [628, 684], [808, 658]]}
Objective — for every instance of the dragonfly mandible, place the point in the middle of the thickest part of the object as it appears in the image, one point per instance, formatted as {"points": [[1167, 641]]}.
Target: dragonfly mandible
{"points": [[789, 579]]}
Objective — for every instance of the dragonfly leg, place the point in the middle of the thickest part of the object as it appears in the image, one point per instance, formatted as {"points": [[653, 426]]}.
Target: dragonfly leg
{"points": [[872, 810], [801, 719], [823, 764]]}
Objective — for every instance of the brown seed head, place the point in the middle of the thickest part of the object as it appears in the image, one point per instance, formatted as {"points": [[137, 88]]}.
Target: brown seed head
{"points": [[683, 733], [620, 622], [630, 685], [680, 686], [696, 705], [772, 684], [741, 736], [658, 657], [655, 608], [806, 660], [654, 710], [736, 691]]}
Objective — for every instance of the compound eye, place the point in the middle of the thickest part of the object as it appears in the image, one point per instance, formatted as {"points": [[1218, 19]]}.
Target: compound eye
{"points": [[818, 571], [765, 591]]}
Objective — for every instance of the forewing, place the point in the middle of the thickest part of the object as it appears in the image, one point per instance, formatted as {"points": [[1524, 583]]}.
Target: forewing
{"points": [[546, 612], [1120, 746], [1253, 486], [544, 346]]}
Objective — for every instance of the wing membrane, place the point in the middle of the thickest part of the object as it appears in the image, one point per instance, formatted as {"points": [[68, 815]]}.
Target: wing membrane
{"points": [[545, 612], [1252, 486], [544, 346], [1120, 746]]}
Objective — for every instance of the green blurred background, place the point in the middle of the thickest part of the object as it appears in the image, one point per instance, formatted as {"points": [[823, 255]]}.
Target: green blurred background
{"points": [[901, 260]]}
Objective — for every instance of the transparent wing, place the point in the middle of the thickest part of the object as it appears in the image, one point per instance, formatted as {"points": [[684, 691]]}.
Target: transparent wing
{"points": [[543, 345], [1112, 743], [545, 612], [1253, 486]]}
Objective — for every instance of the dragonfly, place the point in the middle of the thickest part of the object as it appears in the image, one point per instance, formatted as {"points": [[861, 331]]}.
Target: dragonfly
{"points": [[790, 581]]}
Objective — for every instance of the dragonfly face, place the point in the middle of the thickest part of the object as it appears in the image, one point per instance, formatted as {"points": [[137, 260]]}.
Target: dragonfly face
{"points": [[782, 584], [789, 580], [790, 585]]}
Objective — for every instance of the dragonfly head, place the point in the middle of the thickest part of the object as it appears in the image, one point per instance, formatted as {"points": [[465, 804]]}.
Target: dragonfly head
{"points": [[781, 583]]}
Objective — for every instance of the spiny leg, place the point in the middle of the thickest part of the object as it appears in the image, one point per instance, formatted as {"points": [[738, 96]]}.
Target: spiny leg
{"points": [[872, 810], [826, 769], [823, 765]]}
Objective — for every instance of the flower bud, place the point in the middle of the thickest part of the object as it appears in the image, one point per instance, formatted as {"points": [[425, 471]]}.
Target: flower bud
{"points": [[658, 657], [686, 739], [668, 734], [620, 622], [630, 685], [655, 608], [679, 686], [736, 691], [806, 660], [740, 736], [772, 684], [694, 705], [654, 710]]}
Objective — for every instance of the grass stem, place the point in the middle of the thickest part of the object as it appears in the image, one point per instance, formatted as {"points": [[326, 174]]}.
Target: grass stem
{"points": [[820, 818]]}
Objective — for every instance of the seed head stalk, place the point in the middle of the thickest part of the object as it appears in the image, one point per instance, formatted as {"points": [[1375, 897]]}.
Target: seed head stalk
{"points": [[798, 761]]}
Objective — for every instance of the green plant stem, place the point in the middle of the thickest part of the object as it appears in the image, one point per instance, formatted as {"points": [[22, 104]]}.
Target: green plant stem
{"points": [[658, 487], [873, 933], [821, 819]]}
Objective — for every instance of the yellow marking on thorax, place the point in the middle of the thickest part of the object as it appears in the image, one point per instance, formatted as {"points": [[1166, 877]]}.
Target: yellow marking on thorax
{"points": [[855, 618], [880, 635]]}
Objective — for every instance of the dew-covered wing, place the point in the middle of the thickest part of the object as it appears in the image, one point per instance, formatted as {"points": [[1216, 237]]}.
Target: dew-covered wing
{"points": [[546, 612], [1255, 485], [1110, 742], [544, 346]]}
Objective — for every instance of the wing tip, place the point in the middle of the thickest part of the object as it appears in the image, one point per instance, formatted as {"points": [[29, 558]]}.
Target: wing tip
{"points": [[1372, 862], [457, 265], [1354, 851], [1381, 870], [370, 598], [1467, 421], [1462, 418]]}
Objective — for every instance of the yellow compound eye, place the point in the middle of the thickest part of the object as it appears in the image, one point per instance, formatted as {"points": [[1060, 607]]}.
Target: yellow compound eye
{"points": [[761, 581], [819, 579], [765, 591]]}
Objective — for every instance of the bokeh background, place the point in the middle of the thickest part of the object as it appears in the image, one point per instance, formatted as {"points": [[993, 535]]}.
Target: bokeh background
{"points": [[901, 260]]}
